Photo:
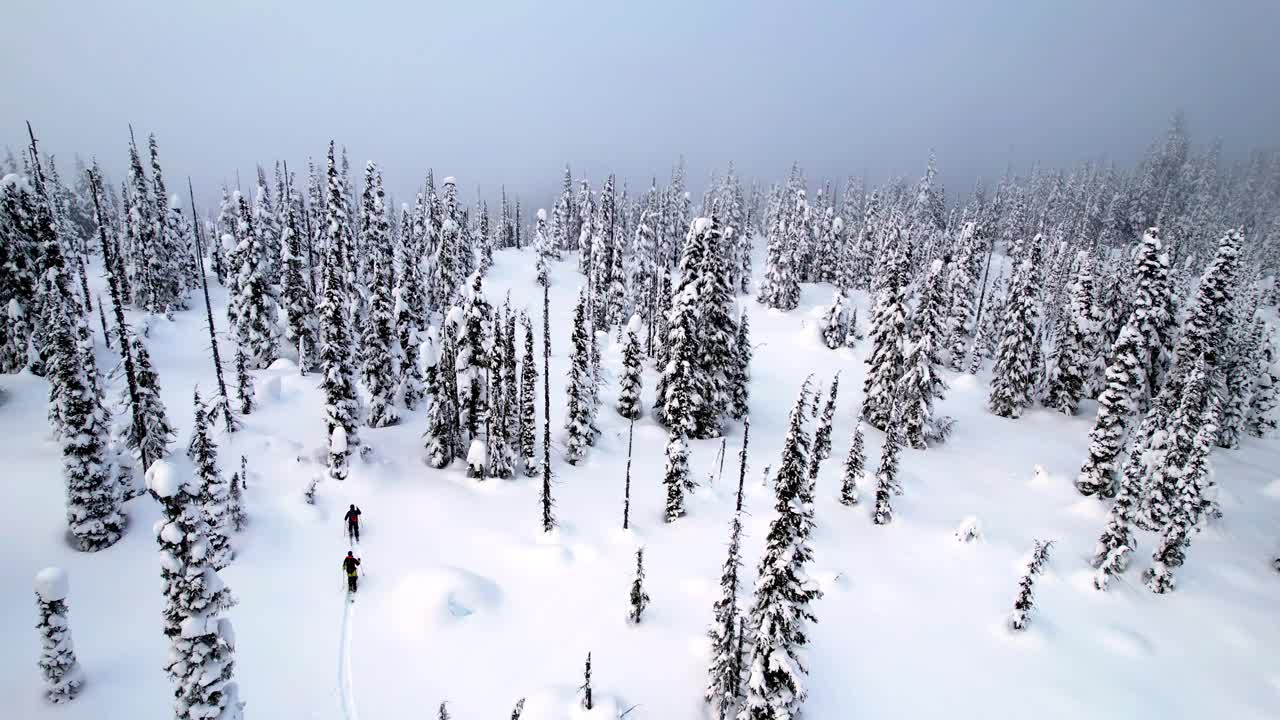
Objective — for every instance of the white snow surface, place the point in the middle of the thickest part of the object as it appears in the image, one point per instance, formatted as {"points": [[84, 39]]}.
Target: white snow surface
{"points": [[464, 599], [167, 476], [52, 584]]}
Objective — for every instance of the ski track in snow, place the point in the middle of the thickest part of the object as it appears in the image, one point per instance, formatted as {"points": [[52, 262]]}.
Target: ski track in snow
{"points": [[344, 665]]}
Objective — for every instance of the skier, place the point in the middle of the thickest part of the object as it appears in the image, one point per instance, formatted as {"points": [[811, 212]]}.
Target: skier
{"points": [[353, 523], [350, 564]]}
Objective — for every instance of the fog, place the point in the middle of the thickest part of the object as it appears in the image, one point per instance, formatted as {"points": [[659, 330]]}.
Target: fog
{"points": [[506, 93]]}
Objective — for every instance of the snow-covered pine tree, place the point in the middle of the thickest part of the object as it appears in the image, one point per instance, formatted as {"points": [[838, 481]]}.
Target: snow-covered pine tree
{"points": [[630, 382], [586, 685], [254, 321], [1170, 442], [298, 300], [157, 431], [960, 287], [378, 346], [1025, 602], [1125, 377], [739, 379], [887, 484], [62, 674], [1176, 537], [724, 687], [1262, 419], [341, 408], [1116, 544], [888, 335], [1012, 377], [244, 381], [544, 499], [834, 322], [822, 435], [1238, 363], [780, 288], [639, 598], [475, 344], [215, 497], [200, 663], [542, 249], [578, 412], [499, 422], [781, 611], [410, 308], [528, 420], [1075, 344], [93, 502], [442, 416], [854, 465], [675, 476]]}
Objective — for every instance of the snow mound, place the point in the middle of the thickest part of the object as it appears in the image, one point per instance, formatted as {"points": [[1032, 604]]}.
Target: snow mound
{"points": [[565, 703], [427, 600], [283, 364], [969, 530], [269, 391], [52, 584], [542, 214], [167, 476]]}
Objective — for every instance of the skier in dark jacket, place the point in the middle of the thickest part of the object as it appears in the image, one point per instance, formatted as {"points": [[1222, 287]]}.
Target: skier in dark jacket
{"points": [[353, 523], [350, 564]]}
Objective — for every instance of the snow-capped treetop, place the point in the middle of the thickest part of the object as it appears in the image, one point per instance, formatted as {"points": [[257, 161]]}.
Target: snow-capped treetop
{"points": [[936, 266], [167, 476], [338, 444], [542, 214], [19, 181], [837, 225], [700, 225], [175, 201], [52, 584], [449, 181], [634, 323]]}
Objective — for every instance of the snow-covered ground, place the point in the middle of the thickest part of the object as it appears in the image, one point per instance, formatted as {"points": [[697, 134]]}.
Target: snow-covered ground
{"points": [[464, 600]]}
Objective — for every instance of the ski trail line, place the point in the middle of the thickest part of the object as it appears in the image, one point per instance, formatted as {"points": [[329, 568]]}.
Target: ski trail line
{"points": [[344, 665]]}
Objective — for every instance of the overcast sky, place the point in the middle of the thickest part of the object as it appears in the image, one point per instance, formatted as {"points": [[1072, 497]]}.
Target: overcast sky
{"points": [[507, 92]]}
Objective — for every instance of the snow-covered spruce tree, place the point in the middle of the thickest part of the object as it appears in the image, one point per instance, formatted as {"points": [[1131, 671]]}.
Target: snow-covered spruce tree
{"points": [[834, 322], [724, 687], [1124, 392], [639, 598], [1075, 345], [888, 335], [578, 413], [929, 322], [201, 642], [675, 476], [1169, 443], [157, 431], [854, 465], [409, 305], [629, 390], [1116, 544], [1262, 420], [961, 285], [1238, 364], [718, 331], [528, 419], [62, 674], [341, 409], [887, 484], [544, 499], [587, 702], [541, 248], [244, 381], [254, 322], [780, 288], [502, 405], [682, 383], [1171, 551], [215, 496], [740, 372], [475, 344], [298, 300], [378, 347], [1025, 602], [93, 501], [1012, 377], [781, 611], [822, 435], [919, 385]]}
